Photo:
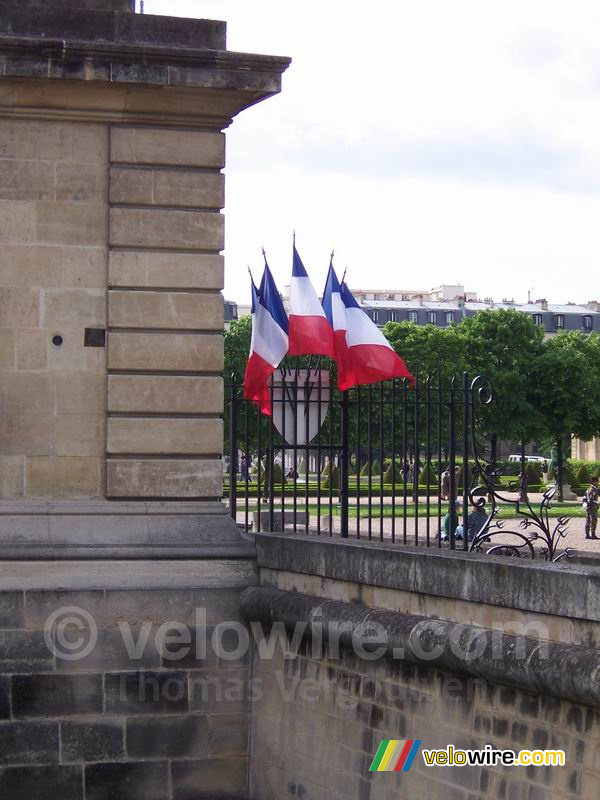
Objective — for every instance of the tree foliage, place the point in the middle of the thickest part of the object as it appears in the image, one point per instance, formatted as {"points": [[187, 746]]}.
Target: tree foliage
{"points": [[427, 349], [544, 389], [237, 347], [504, 345], [566, 385]]}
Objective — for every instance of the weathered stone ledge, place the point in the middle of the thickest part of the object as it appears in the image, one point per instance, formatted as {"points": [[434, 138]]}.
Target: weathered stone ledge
{"points": [[96, 529], [111, 26], [107, 575], [153, 65], [561, 670], [561, 589]]}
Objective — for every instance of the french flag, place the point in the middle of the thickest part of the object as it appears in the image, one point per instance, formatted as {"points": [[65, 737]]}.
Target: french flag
{"points": [[372, 357], [269, 342], [309, 330], [335, 311]]}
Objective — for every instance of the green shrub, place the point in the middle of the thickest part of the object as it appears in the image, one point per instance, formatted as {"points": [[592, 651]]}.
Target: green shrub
{"points": [[533, 470], [332, 480], [511, 468], [302, 468], [278, 477], [568, 474], [392, 474], [428, 476], [376, 469], [326, 469], [582, 476], [365, 469]]}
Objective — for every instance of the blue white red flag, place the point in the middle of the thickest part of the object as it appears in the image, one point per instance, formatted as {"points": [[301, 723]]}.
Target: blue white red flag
{"points": [[269, 342], [335, 311], [309, 330], [372, 357]]}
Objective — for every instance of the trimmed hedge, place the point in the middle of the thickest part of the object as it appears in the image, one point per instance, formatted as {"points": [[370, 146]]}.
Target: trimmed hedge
{"points": [[428, 476], [332, 480], [392, 474]]}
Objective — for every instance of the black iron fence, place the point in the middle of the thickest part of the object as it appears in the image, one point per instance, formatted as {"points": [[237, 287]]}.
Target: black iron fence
{"points": [[393, 462]]}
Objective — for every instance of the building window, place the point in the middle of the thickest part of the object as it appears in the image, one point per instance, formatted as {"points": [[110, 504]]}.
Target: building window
{"points": [[538, 319], [413, 316], [587, 322], [449, 317], [432, 317], [375, 316], [559, 320], [393, 316]]}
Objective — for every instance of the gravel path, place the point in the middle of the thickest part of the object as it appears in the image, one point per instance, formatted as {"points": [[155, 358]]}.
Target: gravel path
{"points": [[382, 529]]}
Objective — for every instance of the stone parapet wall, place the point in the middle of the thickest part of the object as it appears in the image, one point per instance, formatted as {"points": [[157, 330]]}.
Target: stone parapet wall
{"points": [[325, 703], [559, 602]]}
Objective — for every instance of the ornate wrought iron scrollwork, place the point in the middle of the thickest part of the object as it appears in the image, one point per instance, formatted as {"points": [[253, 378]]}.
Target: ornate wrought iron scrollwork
{"points": [[538, 536]]}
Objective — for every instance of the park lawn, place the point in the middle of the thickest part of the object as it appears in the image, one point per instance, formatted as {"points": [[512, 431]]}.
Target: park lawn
{"points": [[571, 510]]}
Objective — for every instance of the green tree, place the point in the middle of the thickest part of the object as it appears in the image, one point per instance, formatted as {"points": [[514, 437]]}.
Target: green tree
{"points": [[505, 345], [428, 349], [237, 347], [566, 385]]}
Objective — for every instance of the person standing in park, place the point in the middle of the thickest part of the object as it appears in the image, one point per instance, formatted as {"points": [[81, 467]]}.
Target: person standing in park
{"points": [[446, 483], [590, 503]]}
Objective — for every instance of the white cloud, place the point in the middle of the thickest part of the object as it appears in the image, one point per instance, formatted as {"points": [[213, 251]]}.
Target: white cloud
{"points": [[426, 142]]}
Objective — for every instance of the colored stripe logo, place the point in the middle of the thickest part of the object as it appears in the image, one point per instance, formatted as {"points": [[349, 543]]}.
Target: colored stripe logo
{"points": [[395, 755]]}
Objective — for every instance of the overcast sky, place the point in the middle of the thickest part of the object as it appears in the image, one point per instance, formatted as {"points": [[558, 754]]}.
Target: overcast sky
{"points": [[426, 142]]}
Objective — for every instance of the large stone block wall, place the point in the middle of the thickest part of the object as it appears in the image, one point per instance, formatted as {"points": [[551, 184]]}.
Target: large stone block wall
{"points": [[53, 233], [112, 726], [121, 228], [317, 724], [165, 313]]}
